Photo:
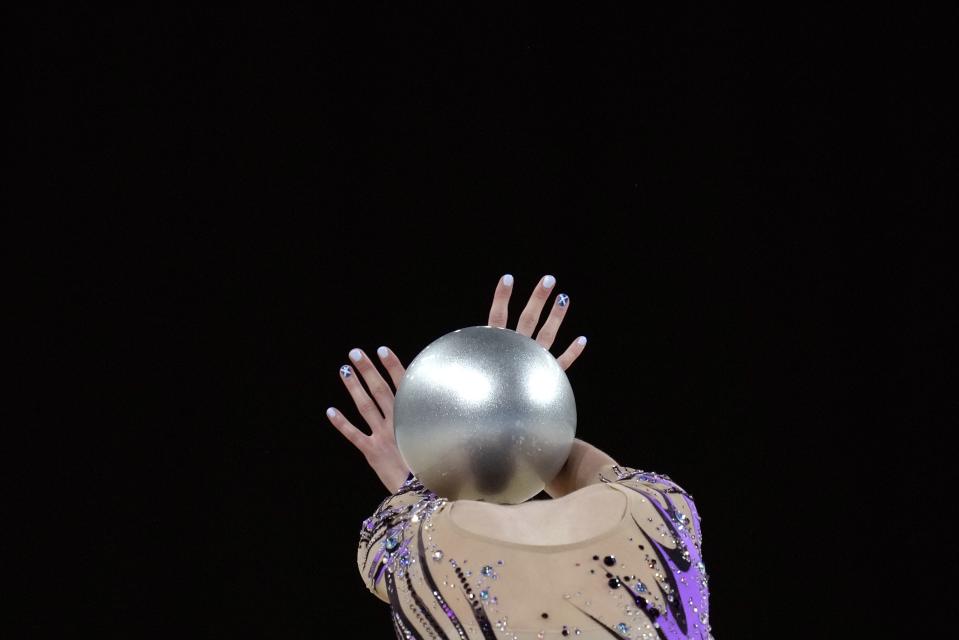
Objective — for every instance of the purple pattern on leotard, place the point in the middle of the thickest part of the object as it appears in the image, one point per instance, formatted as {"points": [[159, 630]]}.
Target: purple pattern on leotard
{"points": [[684, 560], [680, 573]]}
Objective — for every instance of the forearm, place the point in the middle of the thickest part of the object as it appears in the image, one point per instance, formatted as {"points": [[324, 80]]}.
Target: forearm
{"points": [[580, 470]]}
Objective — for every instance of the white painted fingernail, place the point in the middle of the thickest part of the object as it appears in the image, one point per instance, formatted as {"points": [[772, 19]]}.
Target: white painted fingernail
{"points": [[382, 352], [508, 280], [331, 413], [581, 340], [355, 355], [548, 282]]}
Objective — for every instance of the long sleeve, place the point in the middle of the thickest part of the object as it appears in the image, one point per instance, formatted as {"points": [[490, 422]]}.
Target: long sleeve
{"points": [[385, 533], [661, 486], [674, 505], [443, 581]]}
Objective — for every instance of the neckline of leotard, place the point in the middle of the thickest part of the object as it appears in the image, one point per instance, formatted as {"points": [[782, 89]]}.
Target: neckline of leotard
{"points": [[542, 547]]}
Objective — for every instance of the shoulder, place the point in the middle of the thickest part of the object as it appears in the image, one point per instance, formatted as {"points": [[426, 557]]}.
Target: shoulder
{"points": [[659, 491], [617, 473], [410, 493], [394, 511], [385, 535], [646, 482]]}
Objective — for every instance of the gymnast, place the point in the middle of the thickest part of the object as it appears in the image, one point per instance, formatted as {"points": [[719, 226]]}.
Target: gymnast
{"points": [[615, 553]]}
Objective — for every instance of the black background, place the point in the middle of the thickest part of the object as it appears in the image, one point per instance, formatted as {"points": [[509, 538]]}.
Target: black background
{"points": [[745, 209]]}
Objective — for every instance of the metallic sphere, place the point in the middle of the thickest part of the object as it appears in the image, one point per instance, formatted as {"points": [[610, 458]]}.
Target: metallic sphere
{"points": [[485, 413]]}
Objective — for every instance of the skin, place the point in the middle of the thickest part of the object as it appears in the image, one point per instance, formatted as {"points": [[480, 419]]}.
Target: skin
{"points": [[543, 521], [379, 446]]}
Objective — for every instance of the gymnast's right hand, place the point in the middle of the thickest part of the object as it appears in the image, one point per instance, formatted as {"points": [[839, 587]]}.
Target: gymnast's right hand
{"points": [[499, 314]]}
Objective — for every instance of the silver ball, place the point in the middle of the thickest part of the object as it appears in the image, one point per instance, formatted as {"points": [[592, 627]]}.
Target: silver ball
{"points": [[485, 413]]}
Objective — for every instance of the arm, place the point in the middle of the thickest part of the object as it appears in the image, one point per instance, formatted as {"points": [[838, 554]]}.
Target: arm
{"points": [[391, 518], [581, 469], [379, 447]]}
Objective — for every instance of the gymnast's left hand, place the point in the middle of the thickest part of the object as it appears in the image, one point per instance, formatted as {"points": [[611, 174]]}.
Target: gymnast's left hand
{"points": [[379, 448]]}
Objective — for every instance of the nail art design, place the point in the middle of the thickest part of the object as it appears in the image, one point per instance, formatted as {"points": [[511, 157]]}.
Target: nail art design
{"points": [[346, 371], [562, 300]]}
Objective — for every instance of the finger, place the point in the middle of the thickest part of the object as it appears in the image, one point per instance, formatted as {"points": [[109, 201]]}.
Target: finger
{"points": [[530, 316], [368, 409], [499, 312], [393, 365], [547, 333], [569, 356], [374, 381], [351, 433]]}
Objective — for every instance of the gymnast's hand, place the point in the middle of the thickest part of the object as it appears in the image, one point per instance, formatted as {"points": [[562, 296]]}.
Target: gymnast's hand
{"points": [[379, 448], [530, 316]]}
